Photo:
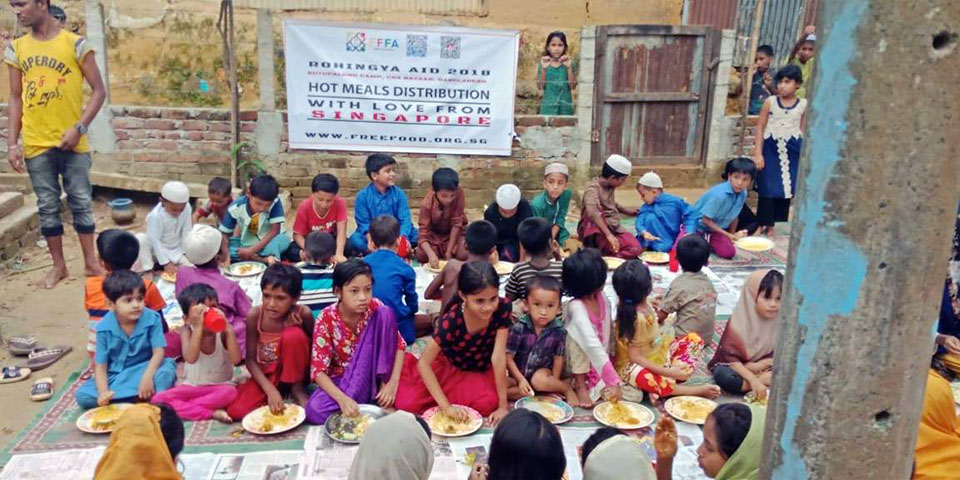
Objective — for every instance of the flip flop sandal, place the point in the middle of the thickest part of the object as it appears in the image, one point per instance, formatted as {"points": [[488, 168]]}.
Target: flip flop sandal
{"points": [[11, 374], [22, 344], [41, 358], [42, 390]]}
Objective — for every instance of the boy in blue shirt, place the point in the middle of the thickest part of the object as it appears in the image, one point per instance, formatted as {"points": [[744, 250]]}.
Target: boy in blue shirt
{"points": [[317, 270], [382, 197], [253, 224], [129, 356], [660, 217], [720, 207], [394, 282]]}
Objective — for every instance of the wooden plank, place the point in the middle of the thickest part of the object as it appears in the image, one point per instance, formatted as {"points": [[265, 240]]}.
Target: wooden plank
{"points": [[615, 97], [646, 30], [711, 51], [596, 147], [645, 161]]}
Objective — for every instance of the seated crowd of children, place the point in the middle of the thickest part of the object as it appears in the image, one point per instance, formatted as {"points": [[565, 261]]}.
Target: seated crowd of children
{"points": [[333, 332]]}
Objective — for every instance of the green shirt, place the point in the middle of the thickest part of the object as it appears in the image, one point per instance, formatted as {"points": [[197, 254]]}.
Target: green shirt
{"points": [[806, 69], [555, 213]]}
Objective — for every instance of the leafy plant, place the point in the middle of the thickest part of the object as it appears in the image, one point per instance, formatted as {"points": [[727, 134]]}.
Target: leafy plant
{"points": [[247, 168]]}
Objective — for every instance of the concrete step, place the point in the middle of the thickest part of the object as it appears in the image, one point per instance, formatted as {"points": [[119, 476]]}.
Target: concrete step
{"points": [[19, 229], [10, 201]]}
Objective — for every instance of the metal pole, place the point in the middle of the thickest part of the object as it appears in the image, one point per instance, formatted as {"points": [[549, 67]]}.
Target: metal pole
{"points": [[880, 181]]}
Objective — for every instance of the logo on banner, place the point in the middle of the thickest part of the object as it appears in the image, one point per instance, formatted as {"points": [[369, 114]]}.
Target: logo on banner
{"points": [[356, 42], [449, 47], [416, 45]]}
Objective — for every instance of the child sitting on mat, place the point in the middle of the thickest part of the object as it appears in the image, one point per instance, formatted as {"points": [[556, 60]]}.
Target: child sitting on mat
{"points": [[691, 295], [600, 217], [442, 219], [129, 357], [278, 349], [481, 247], [210, 351]]}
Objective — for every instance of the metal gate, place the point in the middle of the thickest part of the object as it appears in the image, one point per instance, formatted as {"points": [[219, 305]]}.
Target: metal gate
{"points": [[652, 92]]}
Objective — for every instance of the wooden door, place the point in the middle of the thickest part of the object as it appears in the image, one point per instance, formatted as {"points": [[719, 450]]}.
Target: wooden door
{"points": [[652, 92]]}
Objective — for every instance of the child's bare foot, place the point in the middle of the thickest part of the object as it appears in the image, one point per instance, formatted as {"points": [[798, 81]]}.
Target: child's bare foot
{"points": [[583, 396], [706, 391], [53, 277], [571, 397], [221, 416]]}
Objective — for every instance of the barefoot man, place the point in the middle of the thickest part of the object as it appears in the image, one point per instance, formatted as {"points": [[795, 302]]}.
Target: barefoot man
{"points": [[47, 68]]}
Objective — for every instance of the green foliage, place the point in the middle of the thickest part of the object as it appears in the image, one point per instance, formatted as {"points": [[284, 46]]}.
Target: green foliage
{"points": [[247, 168]]}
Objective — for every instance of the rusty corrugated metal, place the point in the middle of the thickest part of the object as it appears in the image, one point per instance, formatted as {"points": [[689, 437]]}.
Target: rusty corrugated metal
{"points": [[780, 27], [440, 7], [721, 14]]}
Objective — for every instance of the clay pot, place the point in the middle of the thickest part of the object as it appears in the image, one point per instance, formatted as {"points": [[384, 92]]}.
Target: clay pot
{"points": [[122, 211]]}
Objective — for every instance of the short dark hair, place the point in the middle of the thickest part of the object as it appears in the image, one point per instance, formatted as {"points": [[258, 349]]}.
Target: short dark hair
{"points": [[376, 162], [791, 72], [693, 251], [122, 282], [264, 187], [766, 50], [541, 281], [384, 230], [194, 294], [481, 237], [584, 273], [424, 425], [608, 172], [535, 234], [285, 277], [731, 423], [633, 284], [56, 12], [772, 280], [525, 445], [602, 433], [740, 165], [475, 276], [345, 272], [445, 179], [220, 186], [319, 246], [171, 426], [325, 182], [119, 249]]}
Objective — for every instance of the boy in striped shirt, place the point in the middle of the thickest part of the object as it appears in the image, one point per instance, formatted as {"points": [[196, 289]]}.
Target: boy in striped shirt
{"points": [[318, 248], [535, 236]]}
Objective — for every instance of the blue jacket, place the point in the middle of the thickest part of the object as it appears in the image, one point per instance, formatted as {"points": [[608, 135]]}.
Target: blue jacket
{"points": [[395, 284], [663, 218]]}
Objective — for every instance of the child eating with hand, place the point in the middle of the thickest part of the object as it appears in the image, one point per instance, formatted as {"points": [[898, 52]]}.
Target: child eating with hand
{"points": [[600, 217], [442, 219], [167, 225], [219, 197], [394, 281], [506, 213], [323, 211], [382, 197], [481, 247], [662, 216], [553, 202], [534, 234], [278, 349], [210, 351], [719, 207], [258, 219], [535, 344], [129, 356]]}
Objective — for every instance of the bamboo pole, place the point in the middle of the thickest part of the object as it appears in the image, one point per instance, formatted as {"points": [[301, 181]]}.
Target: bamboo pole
{"points": [[747, 80], [225, 25]]}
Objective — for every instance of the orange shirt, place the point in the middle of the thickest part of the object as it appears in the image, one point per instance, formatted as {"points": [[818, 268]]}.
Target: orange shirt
{"points": [[95, 301]]}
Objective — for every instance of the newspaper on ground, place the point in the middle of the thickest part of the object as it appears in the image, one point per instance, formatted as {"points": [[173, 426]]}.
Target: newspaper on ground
{"points": [[275, 465], [77, 464]]}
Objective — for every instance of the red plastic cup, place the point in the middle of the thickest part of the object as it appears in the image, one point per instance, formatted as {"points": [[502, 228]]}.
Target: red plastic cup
{"points": [[674, 264], [214, 321]]}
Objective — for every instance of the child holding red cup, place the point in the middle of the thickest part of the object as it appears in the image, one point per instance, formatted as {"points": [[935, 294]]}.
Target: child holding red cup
{"points": [[210, 351]]}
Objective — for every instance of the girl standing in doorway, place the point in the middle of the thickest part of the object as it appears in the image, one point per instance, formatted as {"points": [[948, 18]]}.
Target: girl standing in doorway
{"points": [[555, 78]]}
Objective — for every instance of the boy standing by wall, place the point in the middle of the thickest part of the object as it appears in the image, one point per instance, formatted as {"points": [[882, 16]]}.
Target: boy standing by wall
{"points": [[382, 197], [48, 66]]}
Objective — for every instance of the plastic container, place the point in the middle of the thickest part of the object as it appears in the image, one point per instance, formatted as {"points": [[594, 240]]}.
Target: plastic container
{"points": [[214, 321], [122, 211]]}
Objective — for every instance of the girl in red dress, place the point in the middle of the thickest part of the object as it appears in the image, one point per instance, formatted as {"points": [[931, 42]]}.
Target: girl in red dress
{"points": [[464, 362]]}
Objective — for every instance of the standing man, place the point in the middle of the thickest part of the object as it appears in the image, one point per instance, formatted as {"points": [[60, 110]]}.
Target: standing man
{"points": [[47, 68]]}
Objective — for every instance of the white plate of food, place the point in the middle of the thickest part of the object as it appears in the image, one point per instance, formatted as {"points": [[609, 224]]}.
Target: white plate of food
{"points": [[245, 269], [690, 409], [751, 399], [655, 257], [623, 414], [440, 265], [101, 419], [755, 244], [444, 426], [169, 277], [503, 268], [556, 411], [613, 262], [351, 429], [262, 422]]}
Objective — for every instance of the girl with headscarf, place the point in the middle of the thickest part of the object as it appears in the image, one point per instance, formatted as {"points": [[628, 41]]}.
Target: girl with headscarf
{"points": [[609, 454], [396, 447], [744, 358], [144, 444], [732, 443], [938, 439]]}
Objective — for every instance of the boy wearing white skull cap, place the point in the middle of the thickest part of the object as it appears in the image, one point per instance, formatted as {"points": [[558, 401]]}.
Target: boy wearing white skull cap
{"points": [[167, 225], [600, 217]]}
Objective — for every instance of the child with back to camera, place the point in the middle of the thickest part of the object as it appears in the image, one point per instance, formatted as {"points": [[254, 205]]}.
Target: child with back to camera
{"points": [[481, 240]]}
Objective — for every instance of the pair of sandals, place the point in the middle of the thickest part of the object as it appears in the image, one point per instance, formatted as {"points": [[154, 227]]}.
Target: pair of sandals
{"points": [[38, 358]]}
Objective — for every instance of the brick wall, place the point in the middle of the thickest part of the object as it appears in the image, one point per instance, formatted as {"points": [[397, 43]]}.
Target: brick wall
{"points": [[749, 135], [193, 145]]}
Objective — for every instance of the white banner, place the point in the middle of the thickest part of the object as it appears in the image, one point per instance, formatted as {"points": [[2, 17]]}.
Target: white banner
{"points": [[396, 88]]}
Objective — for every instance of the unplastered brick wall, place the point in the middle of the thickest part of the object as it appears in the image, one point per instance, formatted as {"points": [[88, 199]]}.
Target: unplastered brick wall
{"points": [[193, 145], [749, 136]]}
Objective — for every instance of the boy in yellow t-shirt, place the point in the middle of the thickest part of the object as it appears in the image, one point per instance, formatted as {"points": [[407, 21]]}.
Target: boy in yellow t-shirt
{"points": [[47, 68]]}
